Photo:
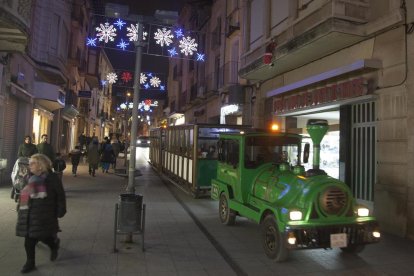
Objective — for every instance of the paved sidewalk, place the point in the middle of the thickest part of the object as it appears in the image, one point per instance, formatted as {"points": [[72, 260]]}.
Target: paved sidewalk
{"points": [[183, 236], [174, 244]]}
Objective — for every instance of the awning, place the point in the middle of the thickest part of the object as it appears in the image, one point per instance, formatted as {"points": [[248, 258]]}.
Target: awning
{"points": [[49, 104]]}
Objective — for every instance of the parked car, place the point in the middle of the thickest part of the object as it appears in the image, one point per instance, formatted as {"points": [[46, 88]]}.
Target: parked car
{"points": [[143, 141]]}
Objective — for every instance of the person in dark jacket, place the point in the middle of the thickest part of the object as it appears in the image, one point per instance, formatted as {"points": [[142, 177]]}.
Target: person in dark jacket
{"points": [[93, 156], [75, 156], [42, 201], [59, 165], [27, 149], [107, 156], [45, 148]]}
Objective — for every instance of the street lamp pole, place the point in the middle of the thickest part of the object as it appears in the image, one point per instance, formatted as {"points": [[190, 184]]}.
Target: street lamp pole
{"points": [[139, 44]]}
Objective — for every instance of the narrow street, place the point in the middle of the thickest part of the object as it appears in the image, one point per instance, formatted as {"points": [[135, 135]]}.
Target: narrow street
{"points": [[183, 236]]}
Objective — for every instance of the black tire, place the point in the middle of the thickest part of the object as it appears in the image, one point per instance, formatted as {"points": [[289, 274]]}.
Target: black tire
{"points": [[353, 249], [227, 216], [273, 241]]}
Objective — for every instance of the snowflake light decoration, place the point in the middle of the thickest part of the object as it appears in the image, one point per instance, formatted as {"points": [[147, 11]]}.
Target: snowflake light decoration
{"points": [[142, 78], [122, 44], [179, 33], [112, 77], [172, 52], [91, 42], [106, 32], [188, 46], [126, 76], [104, 82], [163, 36], [200, 57], [119, 23], [155, 81], [133, 33], [147, 86]]}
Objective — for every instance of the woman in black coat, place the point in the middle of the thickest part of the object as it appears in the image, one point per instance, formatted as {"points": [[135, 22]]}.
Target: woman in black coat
{"points": [[41, 203]]}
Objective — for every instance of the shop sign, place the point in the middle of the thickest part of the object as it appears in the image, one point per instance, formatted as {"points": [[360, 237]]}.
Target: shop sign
{"points": [[312, 98]]}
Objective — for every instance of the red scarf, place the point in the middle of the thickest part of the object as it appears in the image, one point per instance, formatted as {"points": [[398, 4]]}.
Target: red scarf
{"points": [[36, 188]]}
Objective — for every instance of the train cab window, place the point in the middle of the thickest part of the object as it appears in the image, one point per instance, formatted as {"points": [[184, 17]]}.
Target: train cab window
{"points": [[261, 149], [228, 152]]}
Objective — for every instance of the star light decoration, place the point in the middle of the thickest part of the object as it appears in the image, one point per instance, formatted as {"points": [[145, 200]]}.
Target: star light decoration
{"points": [[112, 77], [126, 77], [179, 43]]}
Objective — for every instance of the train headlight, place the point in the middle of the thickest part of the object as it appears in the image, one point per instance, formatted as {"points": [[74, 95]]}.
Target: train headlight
{"points": [[291, 239], [295, 215], [363, 212], [376, 234]]}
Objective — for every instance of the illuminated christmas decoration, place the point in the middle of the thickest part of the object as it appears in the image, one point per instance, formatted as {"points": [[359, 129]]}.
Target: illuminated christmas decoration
{"points": [[181, 43], [155, 81], [179, 33], [200, 57], [91, 42], [112, 78], [126, 76], [133, 33], [104, 82], [162, 87], [188, 46], [122, 44], [147, 86], [172, 52], [142, 78], [106, 32], [119, 23], [163, 37]]}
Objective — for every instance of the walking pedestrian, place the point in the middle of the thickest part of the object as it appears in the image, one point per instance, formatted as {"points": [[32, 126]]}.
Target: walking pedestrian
{"points": [[75, 156], [45, 148], [107, 156], [42, 201], [27, 149], [93, 156], [116, 147], [59, 165]]}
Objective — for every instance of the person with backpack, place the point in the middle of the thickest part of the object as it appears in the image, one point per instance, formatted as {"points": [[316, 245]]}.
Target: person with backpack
{"points": [[20, 176], [59, 165]]}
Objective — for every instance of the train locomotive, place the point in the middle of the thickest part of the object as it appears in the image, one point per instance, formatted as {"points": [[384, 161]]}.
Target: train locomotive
{"points": [[260, 177]]}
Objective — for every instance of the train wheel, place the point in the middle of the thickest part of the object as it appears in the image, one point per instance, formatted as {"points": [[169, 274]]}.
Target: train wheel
{"points": [[227, 216], [353, 249], [272, 239]]}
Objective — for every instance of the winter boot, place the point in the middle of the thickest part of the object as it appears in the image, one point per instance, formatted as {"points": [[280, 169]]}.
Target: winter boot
{"points": [[28, 266]]}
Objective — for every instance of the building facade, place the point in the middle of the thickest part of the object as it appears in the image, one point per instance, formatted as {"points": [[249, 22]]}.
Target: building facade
{"points": [[44, 66], [348, 62]]}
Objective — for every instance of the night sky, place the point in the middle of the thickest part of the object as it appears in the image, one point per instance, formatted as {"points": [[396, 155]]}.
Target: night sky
{"points": [[126, 60]]}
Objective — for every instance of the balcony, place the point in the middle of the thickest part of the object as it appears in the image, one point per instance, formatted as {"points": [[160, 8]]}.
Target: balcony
{"points": [[14, 25], [334, 26], [49, 96]]}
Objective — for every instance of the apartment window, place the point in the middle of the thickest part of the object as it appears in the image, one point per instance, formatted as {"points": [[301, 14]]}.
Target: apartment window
{"points": [[63, 51], [279, 11], [256, 19], [54, 34]]}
